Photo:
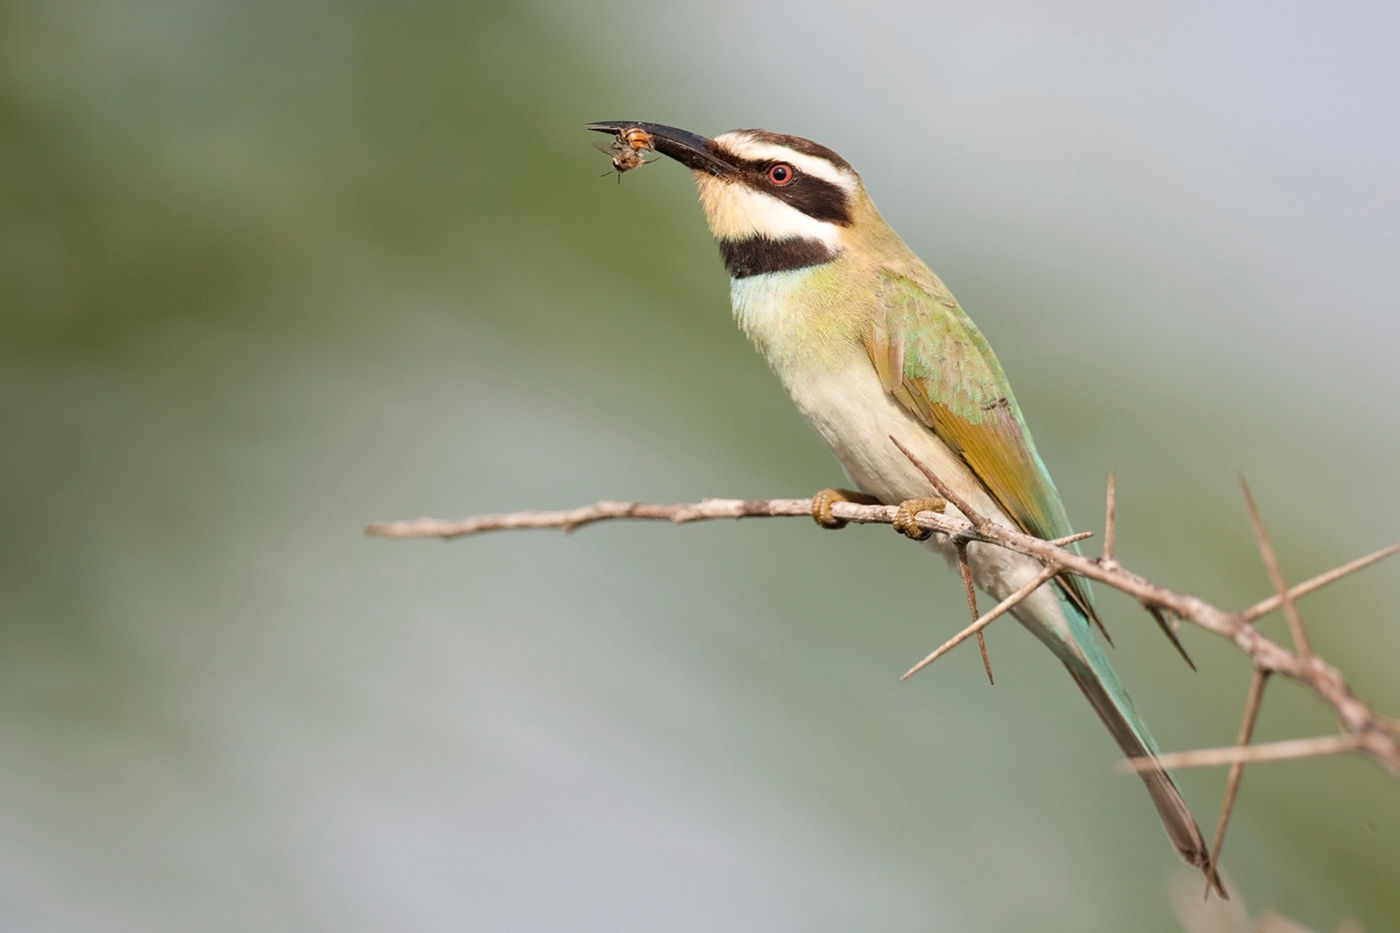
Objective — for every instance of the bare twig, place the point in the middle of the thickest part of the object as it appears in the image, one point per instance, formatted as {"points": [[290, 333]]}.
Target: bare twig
{"points": [[1109, 560], [1001, 608], [965, 569], [1232, 782], [1371, 734], [569, 519], [1266, 549], [1070, 539], [1266, 606], [1110, 516], [1230, 754]]}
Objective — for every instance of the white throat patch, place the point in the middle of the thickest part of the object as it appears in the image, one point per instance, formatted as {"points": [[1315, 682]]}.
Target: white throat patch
{"points": [[737, 212]]}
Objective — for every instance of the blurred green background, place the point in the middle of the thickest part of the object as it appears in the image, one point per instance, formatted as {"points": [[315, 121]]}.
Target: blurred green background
{"points": [[271, 271]]}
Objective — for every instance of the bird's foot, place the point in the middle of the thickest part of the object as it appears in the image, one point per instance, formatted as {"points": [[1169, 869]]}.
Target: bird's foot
{"points": [[823, 499], [908, 509]]}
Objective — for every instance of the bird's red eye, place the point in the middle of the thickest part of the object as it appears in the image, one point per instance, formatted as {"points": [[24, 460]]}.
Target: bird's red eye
{"points": [[781, 174]]}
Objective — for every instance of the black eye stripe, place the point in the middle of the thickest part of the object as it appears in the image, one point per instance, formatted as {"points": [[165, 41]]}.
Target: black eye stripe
{"points": [[813, 196]]}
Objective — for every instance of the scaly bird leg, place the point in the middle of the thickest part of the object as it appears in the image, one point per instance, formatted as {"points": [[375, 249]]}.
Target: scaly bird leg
{"points": [[909, 509]]}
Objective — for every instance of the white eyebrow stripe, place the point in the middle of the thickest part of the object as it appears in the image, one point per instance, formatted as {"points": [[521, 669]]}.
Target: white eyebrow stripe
{"points": [[746, 147]]}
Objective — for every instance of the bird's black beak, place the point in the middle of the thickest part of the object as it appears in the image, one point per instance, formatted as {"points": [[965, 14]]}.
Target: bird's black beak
{"points": [[692, 151]]}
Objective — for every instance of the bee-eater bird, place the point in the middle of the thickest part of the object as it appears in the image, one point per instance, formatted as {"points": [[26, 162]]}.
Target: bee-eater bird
{"points": [[872, 346]]}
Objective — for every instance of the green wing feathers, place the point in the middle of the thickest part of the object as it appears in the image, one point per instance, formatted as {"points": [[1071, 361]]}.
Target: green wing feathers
{"points": [[932, 358], [936, 362]]}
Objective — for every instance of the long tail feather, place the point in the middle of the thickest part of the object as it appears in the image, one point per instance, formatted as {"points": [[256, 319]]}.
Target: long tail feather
{"points": [[1176, 816], [1095, 676]]}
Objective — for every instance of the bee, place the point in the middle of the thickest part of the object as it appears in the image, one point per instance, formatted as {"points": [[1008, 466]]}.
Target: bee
{"points": [[628, 149]]}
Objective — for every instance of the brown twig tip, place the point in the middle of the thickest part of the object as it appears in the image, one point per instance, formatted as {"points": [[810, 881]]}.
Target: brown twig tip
{"points": [[1266, 550], [1110, 516], [1170, 631], [965, 569], [1070, 539]]}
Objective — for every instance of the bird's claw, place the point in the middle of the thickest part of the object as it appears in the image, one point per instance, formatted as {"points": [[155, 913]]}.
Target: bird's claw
{"points": [[908, 509], [822, 501]]}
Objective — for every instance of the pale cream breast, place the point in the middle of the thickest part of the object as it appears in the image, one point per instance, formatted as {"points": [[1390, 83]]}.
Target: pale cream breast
{"points": [[856, 417]]}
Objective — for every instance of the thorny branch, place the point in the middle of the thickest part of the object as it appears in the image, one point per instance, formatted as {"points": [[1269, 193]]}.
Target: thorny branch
{"points": [[1363, 729], [1376, 734]]}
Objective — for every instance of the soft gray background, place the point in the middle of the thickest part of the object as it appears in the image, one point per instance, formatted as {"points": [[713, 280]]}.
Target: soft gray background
{"points": [[273, 270]]}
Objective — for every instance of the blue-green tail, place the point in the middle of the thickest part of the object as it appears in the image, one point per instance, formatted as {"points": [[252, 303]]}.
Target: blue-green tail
{"points": [[1091, 670]]}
